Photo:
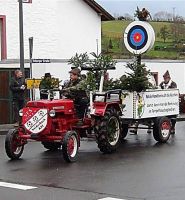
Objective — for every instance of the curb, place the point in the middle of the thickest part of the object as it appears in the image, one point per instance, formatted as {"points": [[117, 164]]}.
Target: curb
{"points": [[180, 119], [5, 128], [3, 132]]}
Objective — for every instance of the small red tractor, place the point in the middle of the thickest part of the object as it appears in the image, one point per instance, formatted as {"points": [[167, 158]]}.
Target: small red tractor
{"points": [[55, 124]]}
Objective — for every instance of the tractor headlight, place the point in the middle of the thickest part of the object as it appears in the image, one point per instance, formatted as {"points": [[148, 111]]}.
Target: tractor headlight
{"points": [[21, 113], [52, 113]]}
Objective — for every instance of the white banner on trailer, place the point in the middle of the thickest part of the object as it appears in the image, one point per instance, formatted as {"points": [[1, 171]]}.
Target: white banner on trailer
{"points": [[151, 103]]}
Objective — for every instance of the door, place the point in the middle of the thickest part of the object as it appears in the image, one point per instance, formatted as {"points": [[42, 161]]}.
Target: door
{"points": [[0, 38], [5, 106]]}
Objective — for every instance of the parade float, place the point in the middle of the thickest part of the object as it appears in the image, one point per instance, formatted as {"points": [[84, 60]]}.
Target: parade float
{"points": [[54, 122]]}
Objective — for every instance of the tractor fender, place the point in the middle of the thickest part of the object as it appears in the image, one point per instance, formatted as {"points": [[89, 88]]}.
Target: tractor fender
{"points": [[100, 108]]}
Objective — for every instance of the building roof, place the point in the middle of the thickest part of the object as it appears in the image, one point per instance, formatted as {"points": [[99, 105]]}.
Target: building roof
{"points": [[105, 16]]}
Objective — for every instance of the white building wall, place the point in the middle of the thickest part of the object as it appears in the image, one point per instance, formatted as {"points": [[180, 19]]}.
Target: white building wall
{"points": [[60, 28]]}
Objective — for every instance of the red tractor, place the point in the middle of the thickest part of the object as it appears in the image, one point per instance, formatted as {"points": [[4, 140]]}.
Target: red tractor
{"points": [[55, 124]]}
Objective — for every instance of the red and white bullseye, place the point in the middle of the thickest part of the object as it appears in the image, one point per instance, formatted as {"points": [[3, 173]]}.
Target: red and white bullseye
{"points": [[139, 37]]}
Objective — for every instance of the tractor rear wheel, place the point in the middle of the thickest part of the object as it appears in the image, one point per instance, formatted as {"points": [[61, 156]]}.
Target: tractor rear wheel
{"points": [[70, 146], [162, 129], [52, 146], [13, 145], [107, 131]]}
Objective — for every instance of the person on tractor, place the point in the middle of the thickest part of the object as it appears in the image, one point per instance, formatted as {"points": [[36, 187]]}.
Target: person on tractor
{"points": [[45, 84], [73, 89]]}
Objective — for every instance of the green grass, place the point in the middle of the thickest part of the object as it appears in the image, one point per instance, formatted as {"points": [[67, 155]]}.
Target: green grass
{"points": [[162, 54], [114, 30]]}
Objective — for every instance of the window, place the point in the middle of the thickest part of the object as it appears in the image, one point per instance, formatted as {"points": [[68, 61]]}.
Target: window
{"points": [[155, 75], [3, 50]]}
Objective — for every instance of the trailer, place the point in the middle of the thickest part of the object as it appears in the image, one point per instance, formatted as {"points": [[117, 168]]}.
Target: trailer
{"points": [[155, 108]]}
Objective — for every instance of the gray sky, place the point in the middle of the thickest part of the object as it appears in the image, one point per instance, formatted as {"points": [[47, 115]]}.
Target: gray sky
{"points": [[125, 6]]}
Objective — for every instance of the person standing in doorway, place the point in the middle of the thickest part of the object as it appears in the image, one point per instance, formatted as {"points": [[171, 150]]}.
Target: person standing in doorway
{"points": [[168, 84], [17, 86]]}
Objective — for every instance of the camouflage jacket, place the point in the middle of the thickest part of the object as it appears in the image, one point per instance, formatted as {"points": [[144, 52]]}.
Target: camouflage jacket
{"points": [[75, 88]]}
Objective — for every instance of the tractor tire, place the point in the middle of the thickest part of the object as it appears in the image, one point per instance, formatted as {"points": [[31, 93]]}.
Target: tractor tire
{"points": [[107, 131], [52, 146], [13, 146], [70, 146], [124, 131], [162, 129]]}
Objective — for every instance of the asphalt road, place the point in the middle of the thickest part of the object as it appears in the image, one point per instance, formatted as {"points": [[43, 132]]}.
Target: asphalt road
{"points": [[140, 169]]}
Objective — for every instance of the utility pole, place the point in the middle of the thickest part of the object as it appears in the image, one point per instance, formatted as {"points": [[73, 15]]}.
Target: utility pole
{"points": [[173, 14], [32, 91], [21, 37], [31, 53]]}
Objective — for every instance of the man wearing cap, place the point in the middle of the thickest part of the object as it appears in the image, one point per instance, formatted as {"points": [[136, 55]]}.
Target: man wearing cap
{"points": [[168, 84], [74, 81], [45, 85], [74, 89]]}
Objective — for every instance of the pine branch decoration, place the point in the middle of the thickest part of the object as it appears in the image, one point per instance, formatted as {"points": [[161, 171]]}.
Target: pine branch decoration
{"points": [[137, 79]]}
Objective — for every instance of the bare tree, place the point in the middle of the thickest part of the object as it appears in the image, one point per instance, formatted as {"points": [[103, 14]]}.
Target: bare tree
{"points": [[128, 17], [163, 16], [116, 15], [178, 29]]}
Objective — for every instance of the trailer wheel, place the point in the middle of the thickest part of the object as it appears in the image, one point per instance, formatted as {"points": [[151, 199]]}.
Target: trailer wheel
{"points": [[13, 145], [70, 146], [162, 129], [107, 131], [124, 131], [52, 146]]}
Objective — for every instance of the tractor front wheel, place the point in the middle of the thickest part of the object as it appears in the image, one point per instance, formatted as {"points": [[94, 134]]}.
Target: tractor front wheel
{"points": [[107, 131], [13, 144], [70, 146]]}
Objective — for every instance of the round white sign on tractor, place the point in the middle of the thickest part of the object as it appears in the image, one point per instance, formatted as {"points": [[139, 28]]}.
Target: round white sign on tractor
{"points": [[37, 121], [139, 37]]}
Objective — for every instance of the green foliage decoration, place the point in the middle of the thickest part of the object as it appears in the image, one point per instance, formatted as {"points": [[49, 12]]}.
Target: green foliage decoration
{"points": [[49, 83], [96, 66], [79, 60], [136, 79]]}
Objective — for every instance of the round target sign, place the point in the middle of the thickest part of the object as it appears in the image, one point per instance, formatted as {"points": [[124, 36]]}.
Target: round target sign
{"points": [[139, 37]]}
